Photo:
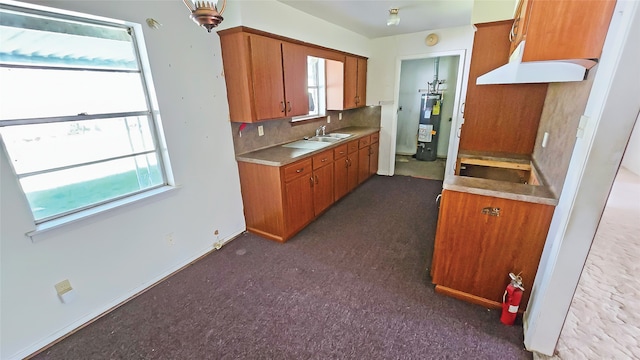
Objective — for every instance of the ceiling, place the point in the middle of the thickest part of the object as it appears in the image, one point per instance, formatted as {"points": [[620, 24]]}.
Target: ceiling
{"points": [[369, 17]]}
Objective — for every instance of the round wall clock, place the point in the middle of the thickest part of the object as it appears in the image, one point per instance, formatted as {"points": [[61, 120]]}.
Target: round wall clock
{"points": [[431, 39]]}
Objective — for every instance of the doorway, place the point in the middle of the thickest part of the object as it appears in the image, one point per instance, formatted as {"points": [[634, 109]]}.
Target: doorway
{"points": [[428, 93]]}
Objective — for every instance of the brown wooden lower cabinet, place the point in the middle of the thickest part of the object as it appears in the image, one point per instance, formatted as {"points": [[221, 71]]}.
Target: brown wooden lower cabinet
{"points": [[368, 157], [481, 239], [345, 169], [322, 184], [281, 201]]}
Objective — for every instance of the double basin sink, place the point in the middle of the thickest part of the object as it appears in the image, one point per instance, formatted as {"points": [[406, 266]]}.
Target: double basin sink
{"points": [[317, 142]]}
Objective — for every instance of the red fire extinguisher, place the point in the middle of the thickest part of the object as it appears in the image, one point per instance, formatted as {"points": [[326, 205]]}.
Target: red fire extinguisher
{"points": [[511, 300]]}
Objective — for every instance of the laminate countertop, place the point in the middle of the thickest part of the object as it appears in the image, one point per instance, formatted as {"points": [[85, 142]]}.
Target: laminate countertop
{"points": [[279, 155], [540, 194]]}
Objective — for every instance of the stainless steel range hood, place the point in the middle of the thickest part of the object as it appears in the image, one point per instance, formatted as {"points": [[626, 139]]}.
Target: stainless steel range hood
{"points": [[518, 72]]}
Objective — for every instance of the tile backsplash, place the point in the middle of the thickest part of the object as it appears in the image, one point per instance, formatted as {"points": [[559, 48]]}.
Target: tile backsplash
{"points": [[282, 131]]}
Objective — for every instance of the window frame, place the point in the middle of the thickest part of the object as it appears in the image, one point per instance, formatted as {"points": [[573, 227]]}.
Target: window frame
{"points": [[321, 88], [152, 113]]}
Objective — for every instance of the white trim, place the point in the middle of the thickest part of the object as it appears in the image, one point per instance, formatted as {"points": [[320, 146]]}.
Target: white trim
{"points": [[80, 215]]}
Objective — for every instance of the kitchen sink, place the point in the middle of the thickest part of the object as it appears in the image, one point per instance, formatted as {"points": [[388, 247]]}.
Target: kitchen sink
{"points": [[307, 144], [324, 138], [339, 135]]}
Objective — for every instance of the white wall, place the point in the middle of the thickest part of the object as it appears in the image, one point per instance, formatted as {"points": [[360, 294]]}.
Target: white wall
{"points": [[631, 159], [277, 18], [110, 257], [384, 73], [612, 107], [492, 10]]}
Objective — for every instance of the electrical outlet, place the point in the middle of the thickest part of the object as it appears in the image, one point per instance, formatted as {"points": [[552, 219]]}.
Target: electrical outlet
{"points": [[169, 239], [63, 287], [66, 294], [328, 119], [260, 130], [339, 116]]}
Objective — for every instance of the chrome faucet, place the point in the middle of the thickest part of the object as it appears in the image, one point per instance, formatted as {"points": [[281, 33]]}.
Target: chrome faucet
{"points": [[321, 128]]}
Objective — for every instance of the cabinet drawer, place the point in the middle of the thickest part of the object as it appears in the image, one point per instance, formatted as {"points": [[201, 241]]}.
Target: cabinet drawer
{"points": [[365, 141], [295, 170], [322, 159], [352, 146], [375, 137], [340, 151]]}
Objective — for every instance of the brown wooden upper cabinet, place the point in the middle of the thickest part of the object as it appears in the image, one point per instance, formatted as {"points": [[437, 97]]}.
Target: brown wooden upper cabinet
{"points": [[266, 75], [347, 83], [499, 118], [266, 78], [561, 29]]}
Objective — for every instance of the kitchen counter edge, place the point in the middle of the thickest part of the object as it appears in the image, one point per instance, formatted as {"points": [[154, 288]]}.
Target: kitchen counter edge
{"points": [[278, 155], [500, 189]]}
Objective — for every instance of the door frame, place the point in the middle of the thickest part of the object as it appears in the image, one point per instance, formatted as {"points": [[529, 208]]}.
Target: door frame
{"points": [[458, 107]]}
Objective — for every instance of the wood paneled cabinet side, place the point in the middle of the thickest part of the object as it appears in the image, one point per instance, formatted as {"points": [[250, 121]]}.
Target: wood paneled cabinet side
{"points": [[562, 30], [481, 239], [265, 77], [499, 118]]}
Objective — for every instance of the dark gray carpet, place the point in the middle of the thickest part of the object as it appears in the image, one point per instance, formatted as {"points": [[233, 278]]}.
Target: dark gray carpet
{"points": [[352, 285]]}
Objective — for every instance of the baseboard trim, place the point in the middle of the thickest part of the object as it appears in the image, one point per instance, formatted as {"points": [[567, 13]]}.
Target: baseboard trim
{"points": [[460, 295], [45, 344]]}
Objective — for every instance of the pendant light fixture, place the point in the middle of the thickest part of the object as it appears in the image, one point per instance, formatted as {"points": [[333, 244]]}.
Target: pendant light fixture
{"points": [[205, 13], [394, 18]]}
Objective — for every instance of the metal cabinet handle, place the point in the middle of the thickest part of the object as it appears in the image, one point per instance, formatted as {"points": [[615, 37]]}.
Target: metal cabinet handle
{"points": [[281, 106], [311, 181], [316, 179], [491, 211], [300, 170], [323, 160], [289, 105]]}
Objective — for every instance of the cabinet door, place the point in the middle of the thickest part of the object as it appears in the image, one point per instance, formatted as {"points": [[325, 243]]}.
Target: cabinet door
{"points": [[363, 164], [477, 246], [267, 75], [340, 177], [350, 82], [322, 188], [373, 159], [294, 63], [299, 203], [352, 170], [560, 30], [361, 88]]}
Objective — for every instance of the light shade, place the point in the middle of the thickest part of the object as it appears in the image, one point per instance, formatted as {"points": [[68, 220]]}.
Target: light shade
{"points": [[205, 13], [394, 18]]}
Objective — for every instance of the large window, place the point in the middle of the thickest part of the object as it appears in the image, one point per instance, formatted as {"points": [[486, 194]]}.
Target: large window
{"points": [[77, 112]]}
